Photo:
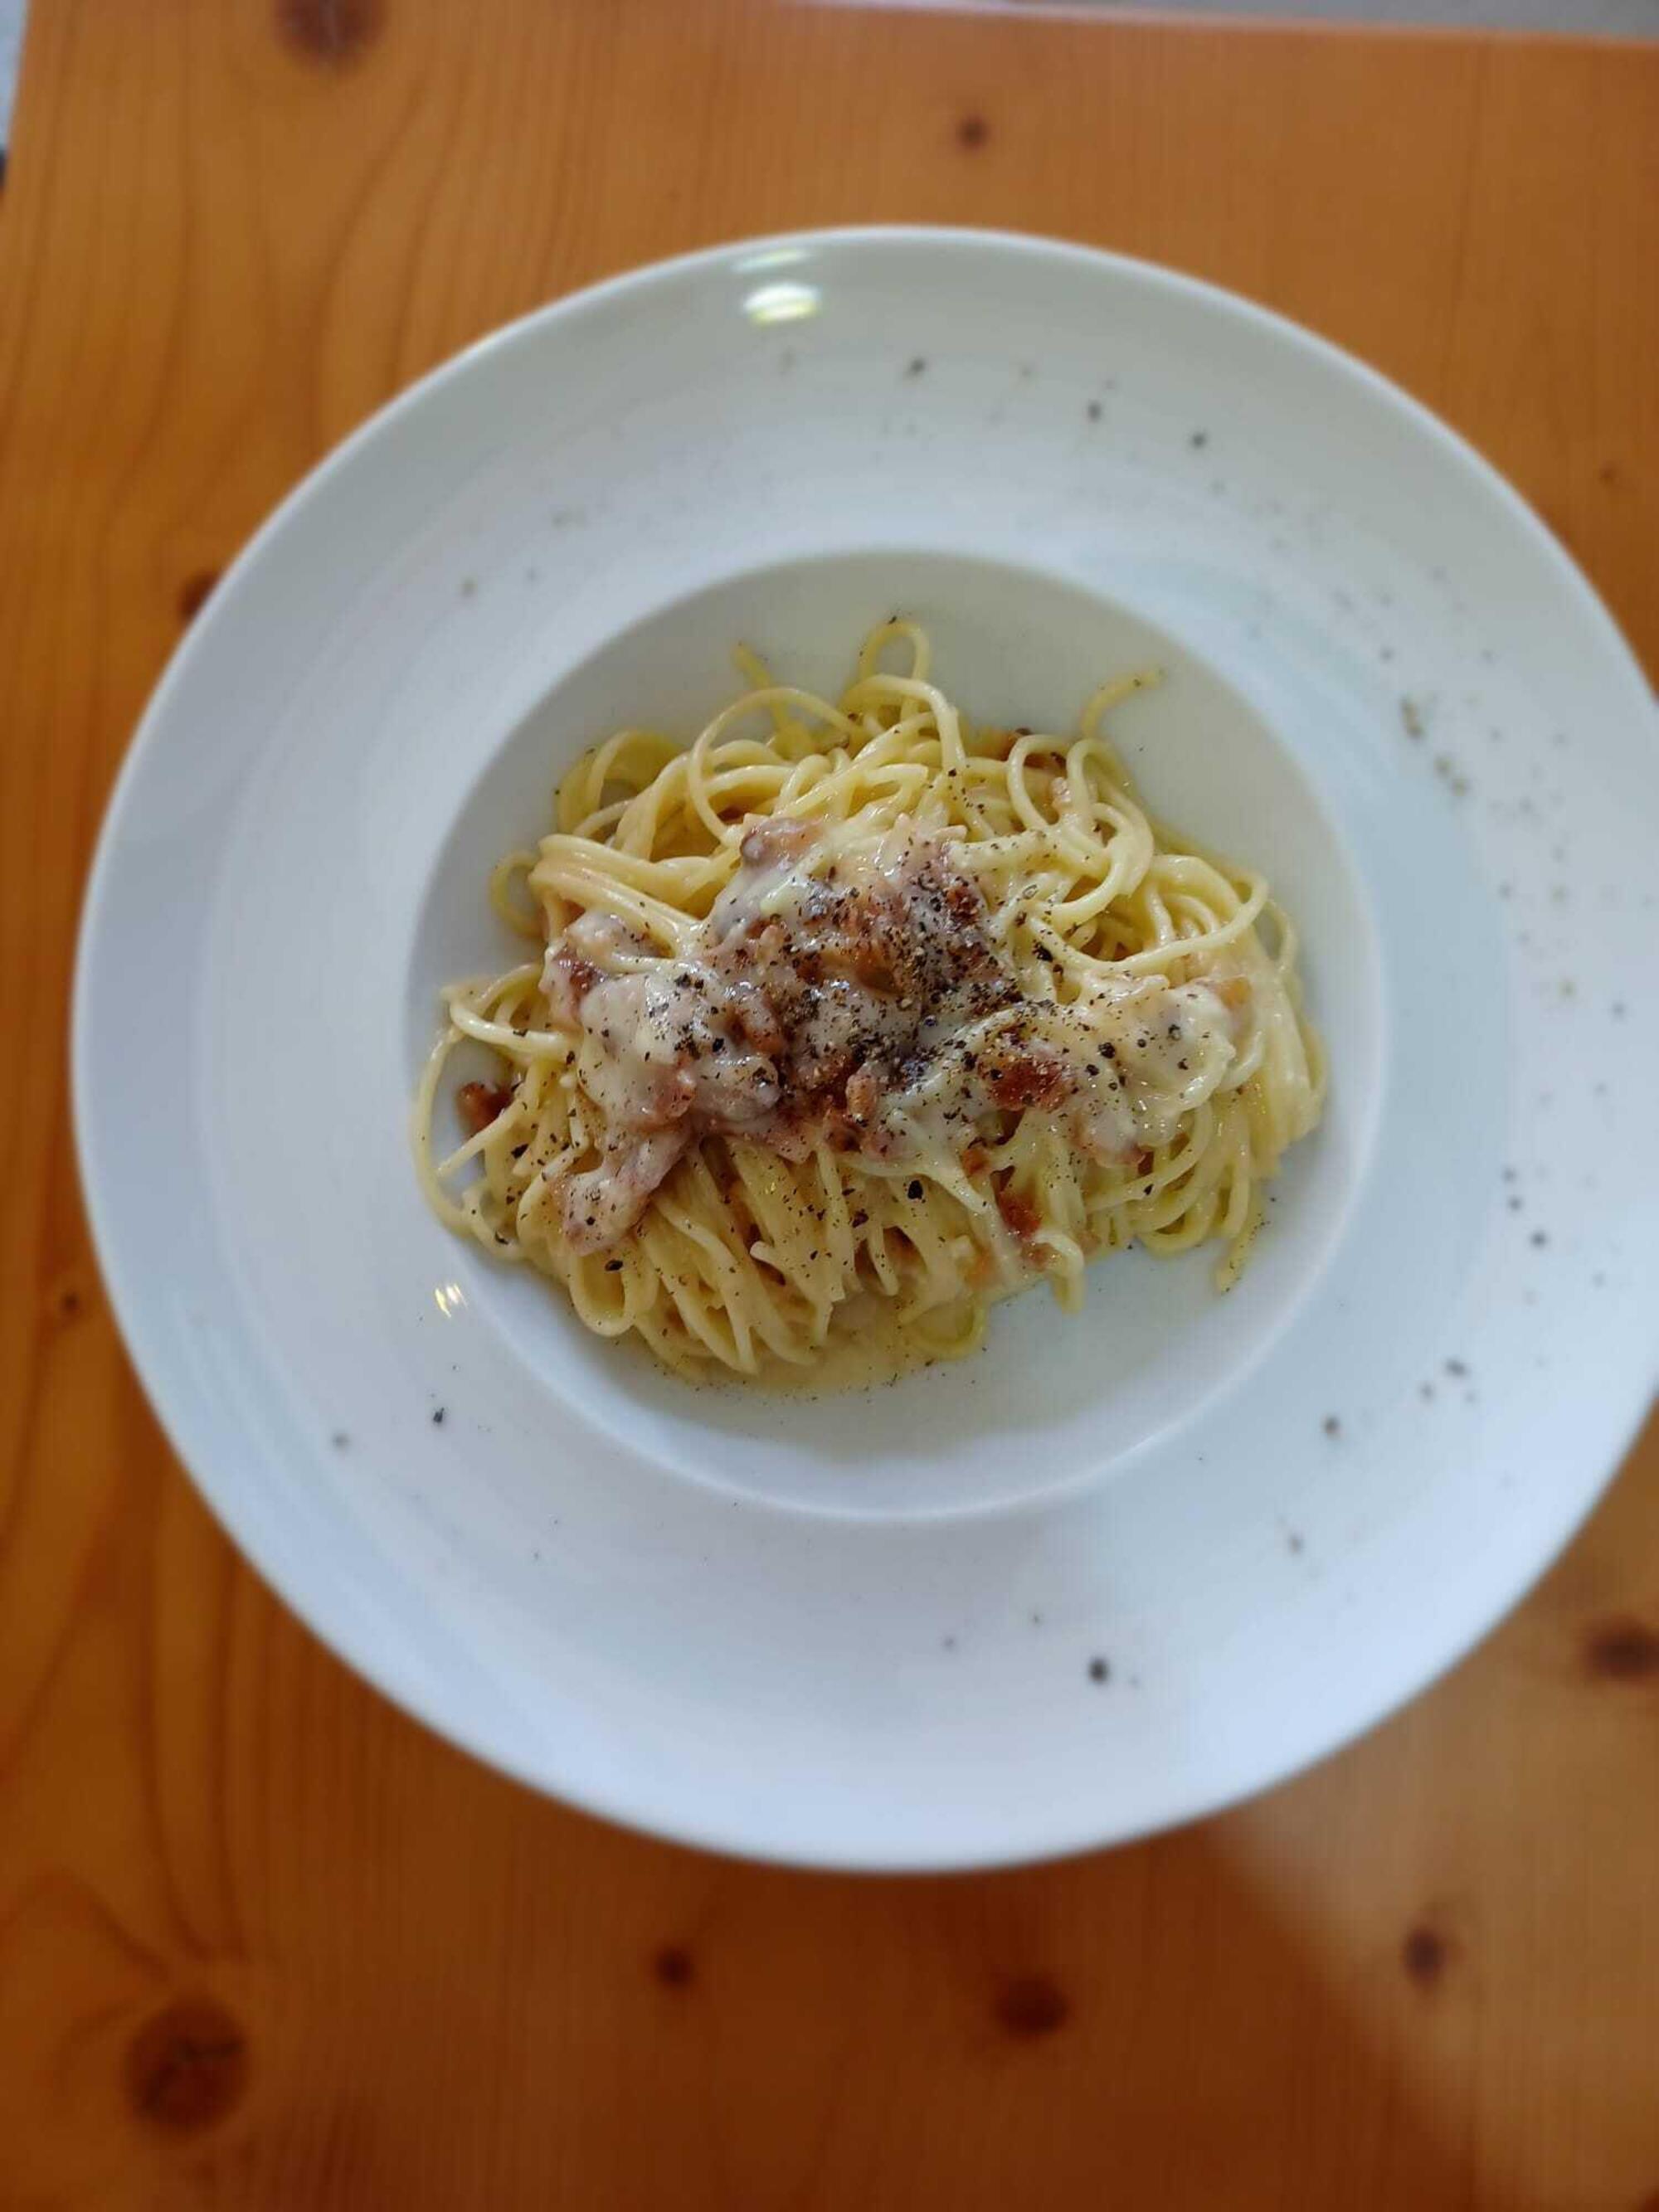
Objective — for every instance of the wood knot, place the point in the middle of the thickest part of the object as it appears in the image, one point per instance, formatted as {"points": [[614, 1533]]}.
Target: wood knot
{"points": [[187, 2065], [674, 1966], [972, 132], [195, 592], [1425, 1955], [1624, 1650], [1030, 2004], [334, 33]]}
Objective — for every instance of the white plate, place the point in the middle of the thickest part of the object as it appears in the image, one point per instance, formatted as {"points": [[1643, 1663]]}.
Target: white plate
{"points": [[1120, 1569]]}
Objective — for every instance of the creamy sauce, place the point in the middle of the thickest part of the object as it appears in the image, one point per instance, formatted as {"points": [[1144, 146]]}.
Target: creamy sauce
{"points": [[845, 990]]}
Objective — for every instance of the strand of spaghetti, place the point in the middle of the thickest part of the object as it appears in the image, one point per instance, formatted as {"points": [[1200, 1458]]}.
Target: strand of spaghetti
{"points": [[632, 756], [820, 709], [871, 690], [1207, 942], [591, 885], [914, 635], [516, 1044]]}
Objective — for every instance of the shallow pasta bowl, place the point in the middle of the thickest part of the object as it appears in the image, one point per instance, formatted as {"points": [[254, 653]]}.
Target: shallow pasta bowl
{"points": [[1120, 1568]]}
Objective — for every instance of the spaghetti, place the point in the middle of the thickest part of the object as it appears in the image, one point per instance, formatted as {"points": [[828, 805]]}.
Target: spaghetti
{"points": [[849, 1019]]}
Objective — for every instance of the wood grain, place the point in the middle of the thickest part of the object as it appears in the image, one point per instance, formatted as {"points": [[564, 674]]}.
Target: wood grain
{"points": [[263, 1942]]}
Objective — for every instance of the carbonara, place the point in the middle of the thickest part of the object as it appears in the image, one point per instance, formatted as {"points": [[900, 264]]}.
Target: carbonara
{"points": [[851, 1018]]}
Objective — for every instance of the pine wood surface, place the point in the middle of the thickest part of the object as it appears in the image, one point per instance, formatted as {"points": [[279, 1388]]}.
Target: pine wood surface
{"points": [[263, 1942]]}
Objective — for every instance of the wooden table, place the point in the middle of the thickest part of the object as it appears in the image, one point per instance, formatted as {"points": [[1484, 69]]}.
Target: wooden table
{"points": [[263, 1941]]}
